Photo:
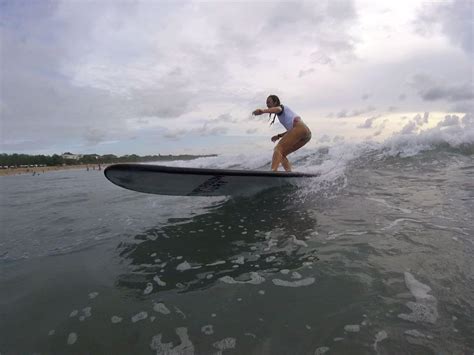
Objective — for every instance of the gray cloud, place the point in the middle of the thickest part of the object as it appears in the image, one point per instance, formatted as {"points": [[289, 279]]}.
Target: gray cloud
{"points": [[380, 128], [306, 72], [452, 18], [225, 117], [362, 111], [453, 93], [203, 131], [421, 120], [417, 121], [94, 136], [95, 72], [342, 114], [431, 90], [356, 112], [466, 106], [368, 122]]}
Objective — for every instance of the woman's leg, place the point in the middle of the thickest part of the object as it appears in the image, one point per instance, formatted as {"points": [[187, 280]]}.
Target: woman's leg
{"points": [[293, 140], [278, 158]]}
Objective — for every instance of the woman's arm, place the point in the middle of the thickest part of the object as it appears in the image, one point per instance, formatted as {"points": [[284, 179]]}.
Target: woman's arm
{"points": [[278, 136], [260, 111]]}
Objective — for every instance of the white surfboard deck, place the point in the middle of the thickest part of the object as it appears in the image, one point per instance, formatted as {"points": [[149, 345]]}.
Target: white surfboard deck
{"points": [[180, 181]]}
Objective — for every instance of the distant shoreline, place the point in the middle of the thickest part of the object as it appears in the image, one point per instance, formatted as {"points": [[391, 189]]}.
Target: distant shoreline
{"points": [[44, 169]]}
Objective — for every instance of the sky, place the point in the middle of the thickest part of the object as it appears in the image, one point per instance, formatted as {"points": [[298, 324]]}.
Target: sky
{"points": [[182, 77]]}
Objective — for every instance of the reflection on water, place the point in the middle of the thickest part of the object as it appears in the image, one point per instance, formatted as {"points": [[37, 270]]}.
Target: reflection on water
{"points": [[226, 243]]}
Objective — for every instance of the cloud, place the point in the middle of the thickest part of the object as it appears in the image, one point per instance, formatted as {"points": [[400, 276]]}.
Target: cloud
{"points": [[380, 128], [342, 114], [452, 18], [410, 127], [306, 72], [413, 125], [419, 120], [203, 131], [467, 106], [225, 117], [368, 122], [86, 73], [94, 136], [86, 70], [431, 90], [356, 112]]}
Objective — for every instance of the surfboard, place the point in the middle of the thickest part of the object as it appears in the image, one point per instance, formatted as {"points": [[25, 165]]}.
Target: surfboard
{"points": [[182, 181]]}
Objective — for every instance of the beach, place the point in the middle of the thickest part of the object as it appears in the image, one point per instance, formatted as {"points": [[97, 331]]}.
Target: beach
{"points": [[45, 169]]}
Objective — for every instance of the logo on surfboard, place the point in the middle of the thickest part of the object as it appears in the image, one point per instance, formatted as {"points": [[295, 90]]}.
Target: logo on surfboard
{"points": [[212, 184]]}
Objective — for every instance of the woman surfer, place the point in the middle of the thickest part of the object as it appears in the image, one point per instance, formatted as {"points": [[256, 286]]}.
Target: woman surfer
{"points": [[297, 133]]}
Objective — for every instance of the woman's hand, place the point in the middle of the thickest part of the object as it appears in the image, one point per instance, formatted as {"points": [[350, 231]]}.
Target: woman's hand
{"points": [[257, 112], [275, 138]]}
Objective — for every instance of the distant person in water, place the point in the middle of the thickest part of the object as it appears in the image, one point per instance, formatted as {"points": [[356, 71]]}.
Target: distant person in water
{"points": [[297, 133]]}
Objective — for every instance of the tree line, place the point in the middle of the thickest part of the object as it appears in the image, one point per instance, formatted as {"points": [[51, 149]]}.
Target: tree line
{"points": [[17, 160]]}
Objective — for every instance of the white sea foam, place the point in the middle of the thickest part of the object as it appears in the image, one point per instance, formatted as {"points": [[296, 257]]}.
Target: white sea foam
{"points": [[139, 316], [225, 344], [161, 308], [115, 319], [240, 260], [299, 283], [331, 160], [298, 242], [255, 279], [416, 334], [159, 281], [86, 313], [183, 266], [385, 203], [148, 289], [394, 223], [296, 275], [207, 329], [352, 328], [380, 336], [321, 350], [72, 338], [185, 347], [425, 309]]}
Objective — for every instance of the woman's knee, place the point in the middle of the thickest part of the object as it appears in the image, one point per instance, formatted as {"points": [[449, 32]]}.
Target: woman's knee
{"points": [[279, 150]]}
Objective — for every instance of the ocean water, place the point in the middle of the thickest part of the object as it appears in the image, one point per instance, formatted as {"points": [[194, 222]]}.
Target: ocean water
{"points": [[375, 256]]}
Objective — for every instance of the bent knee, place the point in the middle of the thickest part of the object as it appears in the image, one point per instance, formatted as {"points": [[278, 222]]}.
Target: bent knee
{"points": [[279, 150]]}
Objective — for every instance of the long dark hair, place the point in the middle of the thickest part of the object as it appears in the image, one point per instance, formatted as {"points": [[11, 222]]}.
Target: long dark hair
{"points": [[277, 101]]}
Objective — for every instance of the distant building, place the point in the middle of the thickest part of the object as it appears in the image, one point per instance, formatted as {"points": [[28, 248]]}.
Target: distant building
{"points": [[71, 156]]}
